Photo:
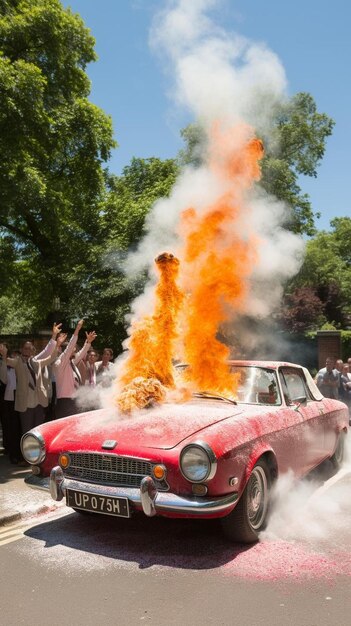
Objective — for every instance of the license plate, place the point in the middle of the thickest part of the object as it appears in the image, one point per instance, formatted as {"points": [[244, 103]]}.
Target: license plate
{"points": [[109, 505]]}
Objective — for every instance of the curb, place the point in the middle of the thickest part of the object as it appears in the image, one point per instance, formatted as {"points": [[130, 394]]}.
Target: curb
{"points": [[5, 520], [9, 519]]}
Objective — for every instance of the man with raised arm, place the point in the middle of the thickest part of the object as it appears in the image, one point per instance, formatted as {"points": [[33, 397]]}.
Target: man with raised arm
{"points": [[32, 381]]}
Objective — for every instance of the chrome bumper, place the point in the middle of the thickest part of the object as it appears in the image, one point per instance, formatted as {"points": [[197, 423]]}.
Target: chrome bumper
{"points": [[146, 498]]}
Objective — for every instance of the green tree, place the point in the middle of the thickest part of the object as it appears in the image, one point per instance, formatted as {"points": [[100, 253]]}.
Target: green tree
{"points": [[65, 222], [53, 143], [294, 146], [130, 196], [327, 269]]}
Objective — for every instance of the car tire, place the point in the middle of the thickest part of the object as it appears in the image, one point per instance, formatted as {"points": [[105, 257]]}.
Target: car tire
{"points": [[249, 517], [339, 454]]}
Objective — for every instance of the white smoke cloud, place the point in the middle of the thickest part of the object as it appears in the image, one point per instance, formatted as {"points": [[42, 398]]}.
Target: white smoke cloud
{"points": [[219, 76], [311, 509], [194, 187], [102, 395]]}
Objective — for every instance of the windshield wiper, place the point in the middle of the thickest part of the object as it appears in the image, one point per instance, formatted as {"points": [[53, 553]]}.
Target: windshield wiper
{"points": [[213, 396]]}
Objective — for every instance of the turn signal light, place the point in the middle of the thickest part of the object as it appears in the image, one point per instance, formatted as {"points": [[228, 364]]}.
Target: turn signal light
{"points": [[159, 472], [64, 460], [199, 489]]}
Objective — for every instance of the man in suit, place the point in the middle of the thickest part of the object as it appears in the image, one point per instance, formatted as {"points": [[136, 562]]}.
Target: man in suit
{"points": [[32, 380], [11, 421], [3, 383]]}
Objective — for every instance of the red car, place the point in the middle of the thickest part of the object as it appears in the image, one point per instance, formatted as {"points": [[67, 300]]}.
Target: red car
{"points": [[208, 457]]}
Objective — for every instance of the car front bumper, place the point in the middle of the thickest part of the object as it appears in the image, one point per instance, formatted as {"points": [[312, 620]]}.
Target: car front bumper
{"points": [[146, 498]]}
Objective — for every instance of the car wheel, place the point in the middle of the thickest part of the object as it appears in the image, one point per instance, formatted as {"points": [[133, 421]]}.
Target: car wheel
{"points": [[249, 517], [339, 453]]}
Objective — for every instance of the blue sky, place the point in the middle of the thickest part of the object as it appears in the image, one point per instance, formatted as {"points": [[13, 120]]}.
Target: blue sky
{"points": [[310, 37]]}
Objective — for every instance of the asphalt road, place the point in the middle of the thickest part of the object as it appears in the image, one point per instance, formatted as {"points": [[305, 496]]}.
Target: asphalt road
{"points": [[61, 566]]}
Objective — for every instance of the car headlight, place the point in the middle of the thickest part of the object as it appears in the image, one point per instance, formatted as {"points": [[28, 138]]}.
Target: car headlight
{"points": [[198, 462], [33, 447]]}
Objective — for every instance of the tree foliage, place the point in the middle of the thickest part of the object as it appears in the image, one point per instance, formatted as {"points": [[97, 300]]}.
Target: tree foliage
{"points": [[302, 310], [327, 271], [295, 146], [53, 142], [65, 222], [132, 195], [109, 293]]}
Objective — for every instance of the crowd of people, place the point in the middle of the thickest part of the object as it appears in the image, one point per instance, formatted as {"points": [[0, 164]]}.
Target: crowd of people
{"points": [[334, 380], [35, 388]]}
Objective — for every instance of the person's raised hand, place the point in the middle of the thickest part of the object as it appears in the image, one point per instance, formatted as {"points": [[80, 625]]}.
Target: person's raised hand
{"points": [[56, 329], [78, 327], [61, 339], [91, 336]]}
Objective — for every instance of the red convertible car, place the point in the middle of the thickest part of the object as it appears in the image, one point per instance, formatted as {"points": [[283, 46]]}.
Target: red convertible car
{"points": [[211, 456]]}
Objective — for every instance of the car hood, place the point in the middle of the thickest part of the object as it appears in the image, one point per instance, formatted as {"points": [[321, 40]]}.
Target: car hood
{"points": [[161, 427]]}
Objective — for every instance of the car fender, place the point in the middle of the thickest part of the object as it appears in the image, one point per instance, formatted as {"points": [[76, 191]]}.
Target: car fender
{"points": [[259, 450]]}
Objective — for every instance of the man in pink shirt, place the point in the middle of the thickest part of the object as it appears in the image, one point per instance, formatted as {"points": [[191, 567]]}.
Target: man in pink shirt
{"points": [[67, 374]]}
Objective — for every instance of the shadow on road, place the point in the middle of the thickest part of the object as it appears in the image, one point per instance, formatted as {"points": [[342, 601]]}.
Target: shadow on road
{"points": [[185, 544], [10, 472]]}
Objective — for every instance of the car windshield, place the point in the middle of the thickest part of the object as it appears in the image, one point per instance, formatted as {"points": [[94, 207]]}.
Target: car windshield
{"points": [[257, 385]]}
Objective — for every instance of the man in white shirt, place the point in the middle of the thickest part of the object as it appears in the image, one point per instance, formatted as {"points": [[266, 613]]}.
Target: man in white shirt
{"points": [[104, 368], [328, 379]]}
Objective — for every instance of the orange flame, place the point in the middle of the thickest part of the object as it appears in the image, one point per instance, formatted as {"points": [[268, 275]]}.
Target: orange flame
{"points": [[218, 259], [152, 340]]}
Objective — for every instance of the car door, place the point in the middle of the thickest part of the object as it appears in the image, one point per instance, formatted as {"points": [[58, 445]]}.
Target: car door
{"points": [[309, 430]]}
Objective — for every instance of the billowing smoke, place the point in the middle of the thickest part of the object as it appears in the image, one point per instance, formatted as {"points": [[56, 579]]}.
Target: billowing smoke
{"points": [[228, 84], [217, 75], [313, 509]]}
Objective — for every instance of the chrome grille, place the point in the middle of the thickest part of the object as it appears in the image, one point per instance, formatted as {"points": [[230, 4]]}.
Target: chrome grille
{"points": [[110, 469]]}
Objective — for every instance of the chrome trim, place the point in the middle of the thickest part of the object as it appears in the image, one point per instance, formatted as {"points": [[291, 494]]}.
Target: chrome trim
{"points": [[55, 483], [148, 494], [211, 456], [109, 444], [41, 440], [161, 502]]}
